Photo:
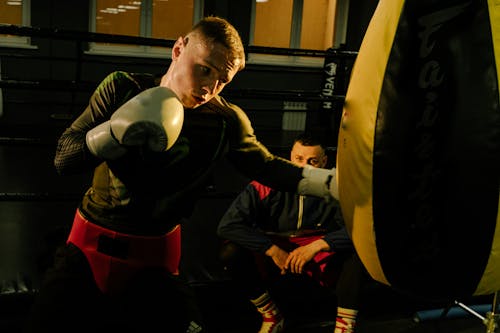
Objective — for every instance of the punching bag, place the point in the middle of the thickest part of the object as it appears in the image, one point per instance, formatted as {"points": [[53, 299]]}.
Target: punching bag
{"points": [[418, 161]]}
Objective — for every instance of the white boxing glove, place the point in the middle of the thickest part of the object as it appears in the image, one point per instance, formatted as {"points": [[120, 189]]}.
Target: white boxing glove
{"points": [[153, 119], [319, 182]]}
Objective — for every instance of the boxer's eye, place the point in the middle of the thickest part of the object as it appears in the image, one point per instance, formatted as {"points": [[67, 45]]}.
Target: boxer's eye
{"points": [[205, 70]]}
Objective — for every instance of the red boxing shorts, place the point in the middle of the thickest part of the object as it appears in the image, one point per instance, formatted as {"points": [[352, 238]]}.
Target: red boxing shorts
{"points": [[115, 258]]}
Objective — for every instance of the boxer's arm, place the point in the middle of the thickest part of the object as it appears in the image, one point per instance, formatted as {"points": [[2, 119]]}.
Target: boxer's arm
{"points": [[72, 154], [254, 160], [250, 156]]}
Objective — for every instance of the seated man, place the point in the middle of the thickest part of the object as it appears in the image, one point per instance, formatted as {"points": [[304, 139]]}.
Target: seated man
{"points": [[270, 233]]}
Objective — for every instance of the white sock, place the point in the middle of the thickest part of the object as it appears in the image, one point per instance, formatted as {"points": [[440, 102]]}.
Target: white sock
{"points": [[272, 319], [346, 320]]}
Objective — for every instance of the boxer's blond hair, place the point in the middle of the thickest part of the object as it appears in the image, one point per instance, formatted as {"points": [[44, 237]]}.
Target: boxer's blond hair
{"points": [[218, 30]]}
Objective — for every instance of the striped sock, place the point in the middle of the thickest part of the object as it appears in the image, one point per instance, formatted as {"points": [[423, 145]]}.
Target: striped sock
{"points": [[346, 320], [272, 319]]}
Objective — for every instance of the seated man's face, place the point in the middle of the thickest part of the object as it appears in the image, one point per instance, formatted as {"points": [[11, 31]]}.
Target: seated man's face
{"points": [[312, 155]]}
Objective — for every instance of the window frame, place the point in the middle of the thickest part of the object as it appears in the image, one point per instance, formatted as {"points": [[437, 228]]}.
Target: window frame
{"points": [[257, 58], [341, 18], [23, 42], [142, 51]]}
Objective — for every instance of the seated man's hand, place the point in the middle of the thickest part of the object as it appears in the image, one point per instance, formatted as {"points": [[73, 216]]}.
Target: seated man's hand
{"points": [[279, 257], [299, 257]]}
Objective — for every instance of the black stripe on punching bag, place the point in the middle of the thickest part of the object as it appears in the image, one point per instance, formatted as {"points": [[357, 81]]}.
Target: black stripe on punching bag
{"points": [[436, 150], [337, 68]]}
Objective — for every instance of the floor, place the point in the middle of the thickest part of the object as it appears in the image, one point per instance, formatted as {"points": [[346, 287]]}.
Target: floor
{"points": [[307, 310], [383, 312]]}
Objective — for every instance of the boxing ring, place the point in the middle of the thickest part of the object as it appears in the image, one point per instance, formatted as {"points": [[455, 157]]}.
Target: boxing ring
{"points": [[36, 205], [404, 238], [31, 144]]}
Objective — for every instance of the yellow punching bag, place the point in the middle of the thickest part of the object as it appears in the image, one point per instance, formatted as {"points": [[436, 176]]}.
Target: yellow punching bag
{"points": [[418, 160]]}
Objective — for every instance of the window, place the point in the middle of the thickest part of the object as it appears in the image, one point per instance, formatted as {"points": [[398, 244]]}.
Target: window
{"points": [[15, 12], [311, 25], [164, 19], [296, 24]]}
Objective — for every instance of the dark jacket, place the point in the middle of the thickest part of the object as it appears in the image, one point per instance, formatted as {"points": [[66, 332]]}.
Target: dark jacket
{"points": [[259, 211]]}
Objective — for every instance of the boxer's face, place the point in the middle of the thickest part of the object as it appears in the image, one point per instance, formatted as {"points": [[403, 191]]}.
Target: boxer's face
{"points": [[312, 155], [199, 70]]}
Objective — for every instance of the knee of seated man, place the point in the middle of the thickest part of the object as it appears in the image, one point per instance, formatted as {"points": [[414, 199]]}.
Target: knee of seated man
{"points": [[231, 253]]}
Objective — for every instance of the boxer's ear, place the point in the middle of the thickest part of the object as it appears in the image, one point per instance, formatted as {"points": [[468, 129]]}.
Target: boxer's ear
{"points": [[178, 47]]}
